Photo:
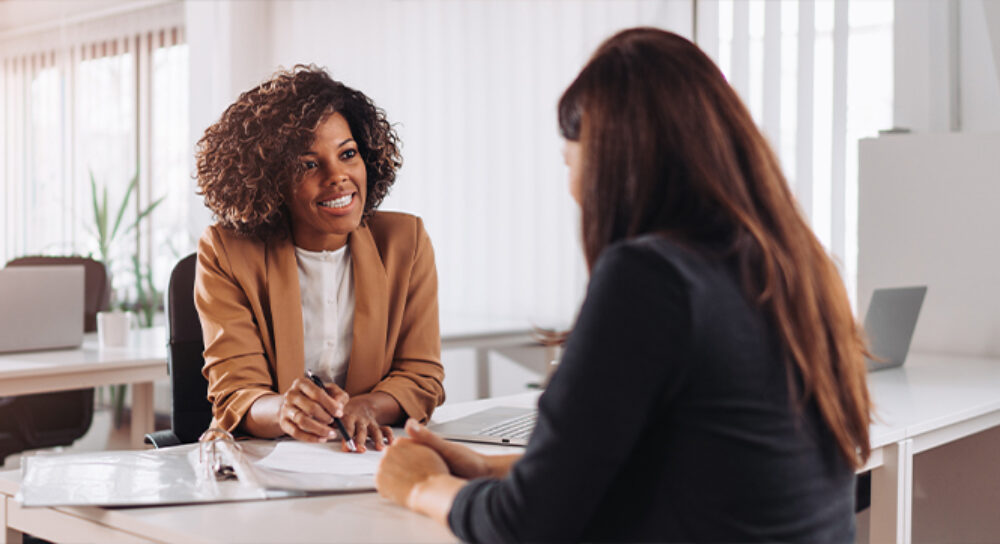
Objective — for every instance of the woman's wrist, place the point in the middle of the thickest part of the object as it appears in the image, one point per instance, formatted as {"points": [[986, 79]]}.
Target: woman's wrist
{"points": [[382, 407], [434, 496], [261, 420], [499, 465]]}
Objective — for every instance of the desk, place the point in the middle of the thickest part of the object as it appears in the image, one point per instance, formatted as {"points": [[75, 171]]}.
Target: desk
{"points": [[357, 517], [488, 334], [932, 400], [140, 363]]}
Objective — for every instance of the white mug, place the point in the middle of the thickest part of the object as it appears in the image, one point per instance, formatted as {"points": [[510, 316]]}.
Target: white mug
{"points": [[113, 328]]}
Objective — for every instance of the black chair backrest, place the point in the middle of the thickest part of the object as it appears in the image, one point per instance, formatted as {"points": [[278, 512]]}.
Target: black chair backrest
{"points": [[96, 295], [192, 413]]}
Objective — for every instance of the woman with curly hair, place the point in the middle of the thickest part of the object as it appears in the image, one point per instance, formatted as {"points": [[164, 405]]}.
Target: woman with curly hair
{"points": [[300, 272]]}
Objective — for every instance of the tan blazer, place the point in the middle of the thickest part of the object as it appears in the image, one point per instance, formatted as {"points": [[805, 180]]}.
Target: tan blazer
{"points": [[247, 295]]}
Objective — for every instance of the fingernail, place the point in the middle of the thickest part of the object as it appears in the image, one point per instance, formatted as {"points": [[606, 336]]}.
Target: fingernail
{"points": [[332, 434]]}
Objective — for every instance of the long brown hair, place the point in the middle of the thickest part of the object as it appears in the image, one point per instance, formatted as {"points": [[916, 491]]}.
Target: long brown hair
{"points": [[668, 147]]}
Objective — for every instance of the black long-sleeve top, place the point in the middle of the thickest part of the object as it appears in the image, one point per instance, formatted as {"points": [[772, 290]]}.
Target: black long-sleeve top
{"points": [[668, 419]]}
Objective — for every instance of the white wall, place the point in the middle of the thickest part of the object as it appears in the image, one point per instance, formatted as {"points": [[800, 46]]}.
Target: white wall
{"points": [[928, 216], [924, 63], [227, 42], [980, 68], [947, 72], [473, 86]]}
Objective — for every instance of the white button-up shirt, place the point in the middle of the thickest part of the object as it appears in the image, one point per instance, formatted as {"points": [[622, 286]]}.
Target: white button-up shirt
{"points": [[326, 283]]}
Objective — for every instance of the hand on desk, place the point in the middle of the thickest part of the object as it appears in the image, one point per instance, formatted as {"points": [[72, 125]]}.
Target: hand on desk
{"points": [[307, 411], [424, 472], [462, 461], [361, 419]]}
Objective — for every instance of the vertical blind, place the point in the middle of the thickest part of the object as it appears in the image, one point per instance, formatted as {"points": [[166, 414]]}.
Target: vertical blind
{"points": [[103, 97], [817, 76]]}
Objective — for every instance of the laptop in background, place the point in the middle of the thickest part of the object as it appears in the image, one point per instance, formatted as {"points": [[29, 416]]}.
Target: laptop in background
{"points": [[889, 324], [41, 307], [502, 425]]}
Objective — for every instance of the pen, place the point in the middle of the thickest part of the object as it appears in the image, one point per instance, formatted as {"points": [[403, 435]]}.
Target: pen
{"points": [[340, 425]]}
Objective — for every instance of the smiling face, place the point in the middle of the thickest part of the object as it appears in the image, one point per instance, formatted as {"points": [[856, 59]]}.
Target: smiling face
{"points": [[328, 201]]}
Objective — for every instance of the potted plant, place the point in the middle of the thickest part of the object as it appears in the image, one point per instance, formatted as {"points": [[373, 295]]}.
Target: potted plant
{"points": [[106, 234]]}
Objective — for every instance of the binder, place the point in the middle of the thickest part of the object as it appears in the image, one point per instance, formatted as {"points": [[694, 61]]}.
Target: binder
{"points": [[215, 469]]}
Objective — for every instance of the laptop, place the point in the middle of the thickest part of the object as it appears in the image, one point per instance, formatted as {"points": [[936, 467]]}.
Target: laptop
{"points": [[890, 322], [503, 425], [41, 307]]}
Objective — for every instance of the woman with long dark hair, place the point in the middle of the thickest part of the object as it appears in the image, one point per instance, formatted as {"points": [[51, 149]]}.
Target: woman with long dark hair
{"points": [[716, 346]]}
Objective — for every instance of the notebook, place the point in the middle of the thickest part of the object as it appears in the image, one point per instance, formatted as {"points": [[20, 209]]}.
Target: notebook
{"points": [[42, 307], [890, 322], [503, 425]]}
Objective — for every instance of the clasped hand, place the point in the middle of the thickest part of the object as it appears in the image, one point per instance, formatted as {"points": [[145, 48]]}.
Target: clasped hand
{"points": [[307, 413], [413, 461]]}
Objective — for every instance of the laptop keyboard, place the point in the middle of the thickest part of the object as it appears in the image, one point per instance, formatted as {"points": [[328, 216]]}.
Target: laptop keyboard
{"points": [[518, 427]]}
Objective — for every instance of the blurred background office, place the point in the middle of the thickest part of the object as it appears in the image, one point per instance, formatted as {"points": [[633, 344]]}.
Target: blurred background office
{"points": [[114, 89]]}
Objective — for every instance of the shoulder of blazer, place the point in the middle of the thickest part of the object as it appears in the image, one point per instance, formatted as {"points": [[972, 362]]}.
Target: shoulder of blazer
{"points": [[242, 253], [396, 233]]}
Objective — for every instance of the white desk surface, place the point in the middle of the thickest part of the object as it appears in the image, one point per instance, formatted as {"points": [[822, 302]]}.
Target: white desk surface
{"points": [[936, 398], [349, 517], [144, 359]]}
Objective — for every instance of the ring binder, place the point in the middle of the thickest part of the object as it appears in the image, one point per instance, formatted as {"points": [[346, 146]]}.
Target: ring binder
{"points": [[210, 461]]}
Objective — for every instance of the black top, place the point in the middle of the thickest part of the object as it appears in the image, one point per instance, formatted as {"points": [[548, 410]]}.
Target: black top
{"points": [[668, 419]]}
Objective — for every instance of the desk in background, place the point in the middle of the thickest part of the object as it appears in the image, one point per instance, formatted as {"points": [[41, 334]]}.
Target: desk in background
{"points": [[140, 363], [508, 336], [932, 401]]}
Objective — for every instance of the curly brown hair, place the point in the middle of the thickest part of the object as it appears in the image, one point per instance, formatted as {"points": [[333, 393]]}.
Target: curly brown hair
{"points": [[249, 159]]}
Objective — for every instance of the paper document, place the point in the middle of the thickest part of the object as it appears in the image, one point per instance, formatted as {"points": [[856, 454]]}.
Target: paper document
{"points": [[304, 457]]}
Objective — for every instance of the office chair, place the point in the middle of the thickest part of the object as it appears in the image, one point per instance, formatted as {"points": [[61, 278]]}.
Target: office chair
{"points": [[45, 420], [191, 413]]}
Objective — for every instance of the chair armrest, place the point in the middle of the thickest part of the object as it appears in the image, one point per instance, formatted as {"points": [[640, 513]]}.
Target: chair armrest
{"points": [[162, 439]]}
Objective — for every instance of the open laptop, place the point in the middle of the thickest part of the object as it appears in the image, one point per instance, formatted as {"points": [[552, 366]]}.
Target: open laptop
{"points": [[890, 322], [42, 307], [503, 425]]}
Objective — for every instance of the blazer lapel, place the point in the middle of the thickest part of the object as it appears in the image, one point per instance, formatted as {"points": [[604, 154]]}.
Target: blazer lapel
{"points": [[286, 313], [371, 313]]}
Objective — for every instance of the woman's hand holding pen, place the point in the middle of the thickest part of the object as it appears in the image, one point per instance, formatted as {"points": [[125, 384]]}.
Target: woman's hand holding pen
{"points": [[361, 415], [307, 410]]}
